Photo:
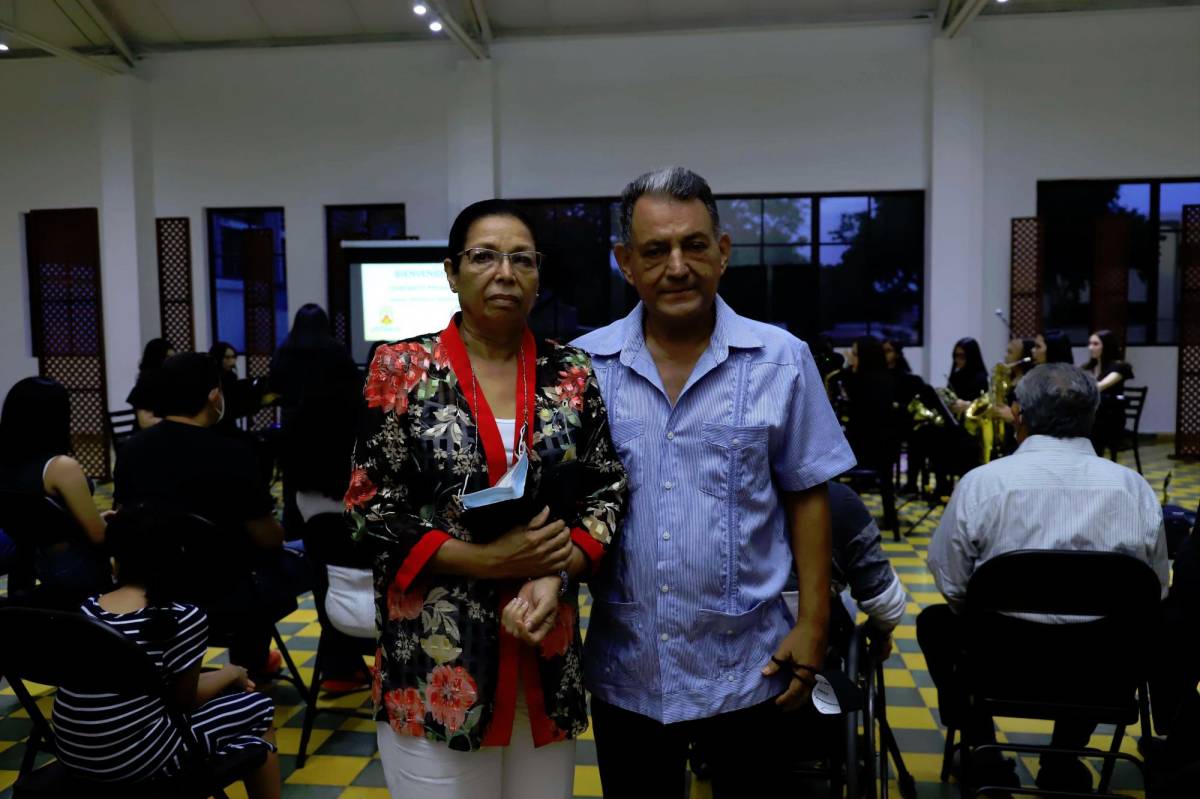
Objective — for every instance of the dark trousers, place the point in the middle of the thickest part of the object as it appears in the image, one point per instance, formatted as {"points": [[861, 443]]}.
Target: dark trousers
{"points": [[940, 632], [749, 751]]}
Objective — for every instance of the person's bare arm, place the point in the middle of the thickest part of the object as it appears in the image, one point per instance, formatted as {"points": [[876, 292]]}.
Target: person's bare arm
{"points": [[535, 549], [65, 479], [265, 532], [1109, 380], [810, 527]]}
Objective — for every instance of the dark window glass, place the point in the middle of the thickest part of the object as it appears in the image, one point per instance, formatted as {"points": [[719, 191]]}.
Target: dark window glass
{"points": [[1083, 221], [228, 231], [832, 265]]}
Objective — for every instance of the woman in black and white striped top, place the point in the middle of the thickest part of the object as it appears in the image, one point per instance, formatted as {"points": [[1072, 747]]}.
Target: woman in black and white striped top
{"points": [[127, 738]]}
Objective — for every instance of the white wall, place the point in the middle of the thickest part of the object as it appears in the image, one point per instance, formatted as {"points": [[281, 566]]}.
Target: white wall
{"points": [[1085, 96], [975, 122], [822, 109], [49, 158]]}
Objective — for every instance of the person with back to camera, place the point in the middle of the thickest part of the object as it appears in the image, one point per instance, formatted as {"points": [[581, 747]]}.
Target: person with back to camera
{"points": [[486, 485], [122, 738], [145, 394], [35, 442]]}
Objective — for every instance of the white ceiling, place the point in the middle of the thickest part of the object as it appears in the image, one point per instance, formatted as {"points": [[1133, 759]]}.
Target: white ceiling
{"points": [[156, 25]]}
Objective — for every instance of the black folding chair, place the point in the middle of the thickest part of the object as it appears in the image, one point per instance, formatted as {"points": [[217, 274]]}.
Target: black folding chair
{"points": [[35, 522], [121, 427], [112, 663], [216, 567], [327, 543], [1135, 403], [1024, 669]]}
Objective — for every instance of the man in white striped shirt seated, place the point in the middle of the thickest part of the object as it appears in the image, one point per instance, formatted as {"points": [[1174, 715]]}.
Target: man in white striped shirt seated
{"points": [[1052, 493]]}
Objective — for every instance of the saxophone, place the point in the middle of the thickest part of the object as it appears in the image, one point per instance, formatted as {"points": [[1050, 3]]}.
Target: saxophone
{"points": [[978, 422]]}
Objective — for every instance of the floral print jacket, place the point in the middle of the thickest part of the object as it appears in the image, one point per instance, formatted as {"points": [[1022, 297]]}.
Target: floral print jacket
{"points": [[445, 669]]}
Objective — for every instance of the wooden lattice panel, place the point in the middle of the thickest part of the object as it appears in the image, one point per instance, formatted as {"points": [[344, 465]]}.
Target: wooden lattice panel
{"points": [[175, 281], [63, 249], [1110, 275], [1025, 297], [259, 308], [1187, 398]]}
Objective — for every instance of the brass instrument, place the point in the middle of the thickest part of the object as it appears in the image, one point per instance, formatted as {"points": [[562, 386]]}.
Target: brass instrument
{"points": [[989, 428], [922, 415]]}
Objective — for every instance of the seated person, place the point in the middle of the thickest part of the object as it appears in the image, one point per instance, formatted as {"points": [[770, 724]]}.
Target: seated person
{"points": [[241, 396], [183, 465], [860, 566], [1052, 493], [35, 437], [144, 396], [138, 742]]}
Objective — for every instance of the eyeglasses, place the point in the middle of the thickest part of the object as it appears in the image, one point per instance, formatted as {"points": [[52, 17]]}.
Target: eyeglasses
{"points": [[484, 259]]}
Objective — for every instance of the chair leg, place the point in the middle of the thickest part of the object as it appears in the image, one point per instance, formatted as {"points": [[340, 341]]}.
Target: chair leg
{"points": [[296, 679], [948, 756], [310, 707], [1106, 771]]}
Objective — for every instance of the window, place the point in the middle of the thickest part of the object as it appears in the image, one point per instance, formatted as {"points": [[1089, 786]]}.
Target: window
{"points": [[380, 222], [234, 237], [1142, 219], [833, 265]]}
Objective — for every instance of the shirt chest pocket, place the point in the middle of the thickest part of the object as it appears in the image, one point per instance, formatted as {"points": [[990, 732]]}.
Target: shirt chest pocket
{"points": [[627, 437], [734, 460]]}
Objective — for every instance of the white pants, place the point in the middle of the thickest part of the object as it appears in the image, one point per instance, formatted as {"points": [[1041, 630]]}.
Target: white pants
{"points": [[416, 768], [350, 601]]}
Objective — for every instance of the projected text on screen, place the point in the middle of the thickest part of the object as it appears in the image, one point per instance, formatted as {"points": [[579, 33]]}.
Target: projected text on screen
{"points": [[404, 300]]}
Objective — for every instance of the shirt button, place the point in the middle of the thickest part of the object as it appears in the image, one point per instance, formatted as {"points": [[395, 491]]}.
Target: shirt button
{"points": [[668, 485], [666, 588], [670, 436], [736, 442], [665, 637], [731, 678], [666, 536]]}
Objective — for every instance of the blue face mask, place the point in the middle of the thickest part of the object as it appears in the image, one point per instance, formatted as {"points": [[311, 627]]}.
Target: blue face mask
{"points": [[510, 486]]}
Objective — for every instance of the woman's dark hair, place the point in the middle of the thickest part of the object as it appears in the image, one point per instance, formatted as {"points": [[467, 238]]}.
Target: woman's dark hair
{"points": [[1058, 347], [472, 214], [1113, 350], [217, 351], [149, 555], [310, 329], [35, 421], [870, 355], [902, 366], [970, 348], [153, 355]]}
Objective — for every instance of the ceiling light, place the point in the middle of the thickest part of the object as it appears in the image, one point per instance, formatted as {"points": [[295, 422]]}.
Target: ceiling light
{"points": [[3, 47], [435, 26], [420, 9], [1001, 1]]}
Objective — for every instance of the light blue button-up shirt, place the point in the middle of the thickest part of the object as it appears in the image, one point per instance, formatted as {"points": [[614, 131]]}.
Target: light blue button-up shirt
{"points": [[688, 607]]}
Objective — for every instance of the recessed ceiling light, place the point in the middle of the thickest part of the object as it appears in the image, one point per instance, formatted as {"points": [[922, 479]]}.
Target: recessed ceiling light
{"points": [[435, 26], [420, 9], [3, 47]]}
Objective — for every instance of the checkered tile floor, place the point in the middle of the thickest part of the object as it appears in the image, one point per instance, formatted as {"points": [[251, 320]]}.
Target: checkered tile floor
{"points": [[343, 764]]}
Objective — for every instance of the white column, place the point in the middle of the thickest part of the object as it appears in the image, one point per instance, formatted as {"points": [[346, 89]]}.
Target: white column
{"points": [[128, 275], [473, 138], [954, 286]]}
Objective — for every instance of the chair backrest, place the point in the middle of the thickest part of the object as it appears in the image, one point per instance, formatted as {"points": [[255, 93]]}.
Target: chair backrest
{"points": [[1135, 402], [214, 554], [34, 520], [73, 650], [122, 425], [1062, 582]]}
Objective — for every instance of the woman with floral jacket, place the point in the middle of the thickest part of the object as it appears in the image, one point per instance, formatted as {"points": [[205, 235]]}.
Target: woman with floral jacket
{"points": [[479, 644]]}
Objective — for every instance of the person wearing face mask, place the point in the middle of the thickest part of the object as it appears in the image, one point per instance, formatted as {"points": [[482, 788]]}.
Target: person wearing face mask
{"points": [[184, 465], [485, 486]]}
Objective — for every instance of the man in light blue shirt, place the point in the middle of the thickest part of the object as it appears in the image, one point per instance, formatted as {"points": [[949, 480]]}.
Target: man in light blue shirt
{"points": [[728, 438]]}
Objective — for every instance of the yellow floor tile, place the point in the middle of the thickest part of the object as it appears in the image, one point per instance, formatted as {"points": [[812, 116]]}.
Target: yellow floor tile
{"points": [[906, 631], [358, 725], [929, 695], [914, 660], [912, 608], [913, 561], [301, 616], [313, 630], [898, 678], [587, 781], [236, 791], [917, 579], [927, 597], [911, 718], [328, 770], [7, 778], [588, 735], [1033, 726], [288, 739]]}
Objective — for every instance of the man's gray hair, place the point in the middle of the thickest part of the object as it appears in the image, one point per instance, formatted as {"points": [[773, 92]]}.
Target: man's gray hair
{"points": [[1058, 399], [672, 181]]}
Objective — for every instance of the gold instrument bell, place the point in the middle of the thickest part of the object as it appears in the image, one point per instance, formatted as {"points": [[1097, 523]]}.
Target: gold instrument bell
{"points": [[990, 428]]}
